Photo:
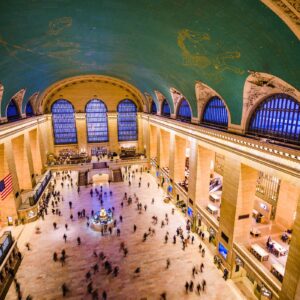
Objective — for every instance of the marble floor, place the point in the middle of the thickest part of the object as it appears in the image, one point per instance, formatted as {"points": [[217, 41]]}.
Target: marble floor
{"points": [[42, 278]]}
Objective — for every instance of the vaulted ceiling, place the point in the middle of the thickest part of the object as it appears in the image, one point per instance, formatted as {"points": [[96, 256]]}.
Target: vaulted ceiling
{"points": [[152, 44]]}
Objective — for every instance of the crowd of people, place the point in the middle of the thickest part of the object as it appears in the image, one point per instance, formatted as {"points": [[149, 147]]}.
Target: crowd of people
{"points": [[182, 237]]}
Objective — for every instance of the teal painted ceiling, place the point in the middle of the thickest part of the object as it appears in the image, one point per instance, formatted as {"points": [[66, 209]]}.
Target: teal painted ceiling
{"points": [[153, 44]]}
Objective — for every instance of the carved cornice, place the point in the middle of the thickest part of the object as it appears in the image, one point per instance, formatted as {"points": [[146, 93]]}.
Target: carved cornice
{"points": [[205, 93], [50, 92], [260, 85], [288, 11]]}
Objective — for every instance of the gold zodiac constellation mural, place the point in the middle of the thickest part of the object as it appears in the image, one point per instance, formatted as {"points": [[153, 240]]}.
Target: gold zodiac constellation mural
{"points": [[195, 53], [56, 26]]}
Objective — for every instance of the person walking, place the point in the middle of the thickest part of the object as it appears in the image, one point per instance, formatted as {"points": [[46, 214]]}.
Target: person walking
{"points": [[198, 288], [66, 226], [65, 237], [55, 256], [64, 289], [201, 267], [191, 286], [168, 263], [54, 225], [166, 238], [78, 241], [104, 295], [134, 228], [203, 285], [186, 287]]}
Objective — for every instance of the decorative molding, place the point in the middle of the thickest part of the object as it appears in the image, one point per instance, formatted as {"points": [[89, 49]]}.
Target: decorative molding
{"points": [[148, 102], [160, 98], [33, 99], [19, 97], [176, 98], [288, 11], [205, 93], [47, 95], [257, 87]]}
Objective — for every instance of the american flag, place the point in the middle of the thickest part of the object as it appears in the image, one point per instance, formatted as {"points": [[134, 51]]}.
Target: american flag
{"points": [[5, 186]]}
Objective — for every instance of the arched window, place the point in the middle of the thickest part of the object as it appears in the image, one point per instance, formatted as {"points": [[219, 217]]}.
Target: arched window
{"points": [[29, 110], [215, 113], [277, 116], [153, 108], [12, 111], [165, 110], [127, 123], [96, 121], [184, 111], [63, 121]]}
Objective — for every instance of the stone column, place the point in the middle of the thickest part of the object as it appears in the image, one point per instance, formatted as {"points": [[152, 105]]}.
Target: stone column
{"points": [[35, 151], [29, 157], [11, 204], [291, 281], [171, 155], [204, 160], [80, 119], [236, 205], [285, 213], [140, 146], [158, 146], [113, 131], [41, 144], [146, 133], [23, 168], [153, 141], [164, 149], [179, 159]]}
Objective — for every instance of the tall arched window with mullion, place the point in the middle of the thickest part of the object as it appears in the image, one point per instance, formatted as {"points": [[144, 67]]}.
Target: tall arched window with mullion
{"points": [[215, 113], [96, 121], [127, 121], [12, 111], [63, 121], [277, 117], [184, 111], [165, 109]]}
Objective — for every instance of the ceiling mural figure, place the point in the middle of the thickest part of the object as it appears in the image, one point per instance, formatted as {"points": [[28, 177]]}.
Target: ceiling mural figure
{"points": [[42, 43], [196, 53], [56, 26]]}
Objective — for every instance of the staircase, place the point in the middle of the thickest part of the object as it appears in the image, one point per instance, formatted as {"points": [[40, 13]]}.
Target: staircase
{"points": [[100, 165], [82, 178], [117, 175]]}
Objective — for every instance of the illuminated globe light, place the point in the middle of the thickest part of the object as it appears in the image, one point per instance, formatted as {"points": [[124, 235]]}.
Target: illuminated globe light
{"points": [[102, 220]]}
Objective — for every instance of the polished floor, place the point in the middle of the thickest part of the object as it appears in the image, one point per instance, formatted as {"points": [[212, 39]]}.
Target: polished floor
{"points": [[42, 278]]}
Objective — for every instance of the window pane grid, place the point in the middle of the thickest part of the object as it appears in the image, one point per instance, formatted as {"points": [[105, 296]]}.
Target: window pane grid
{"points": [[184, 112], [63, 122], [127, 121], [278, 117], [215, 113], [96, 120]]}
